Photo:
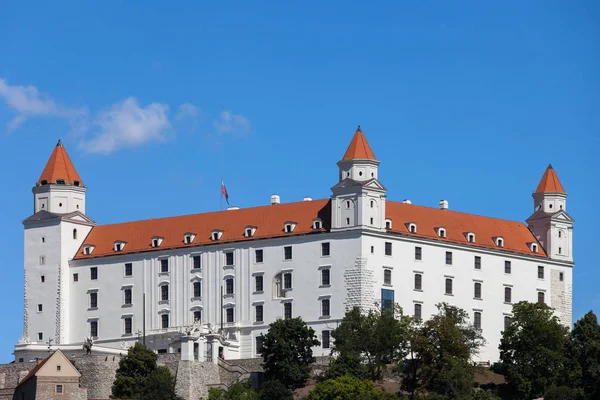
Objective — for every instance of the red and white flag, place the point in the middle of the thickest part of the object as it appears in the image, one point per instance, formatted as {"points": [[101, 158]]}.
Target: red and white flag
{"points": [[224, 191]]}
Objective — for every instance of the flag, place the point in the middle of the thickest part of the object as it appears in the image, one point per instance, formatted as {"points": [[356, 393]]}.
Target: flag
{"points": [[224, 191]]}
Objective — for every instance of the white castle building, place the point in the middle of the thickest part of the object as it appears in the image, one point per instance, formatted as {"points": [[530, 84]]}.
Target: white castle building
{"points": [[235, 271]]}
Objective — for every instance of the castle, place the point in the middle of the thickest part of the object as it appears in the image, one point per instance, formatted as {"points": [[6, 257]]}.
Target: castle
{"points": [[207, 285]]}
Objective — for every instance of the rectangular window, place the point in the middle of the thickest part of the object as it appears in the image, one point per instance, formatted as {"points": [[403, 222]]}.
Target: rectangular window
{"points": [[448, 286], [477, 320], [164, 321], [418, 282], [287, 253], [259, 313], [75, 277], [325, 249], [164, 265], [94, 329], [507, 295], [42, 279], [128, 269], [507, 267], [541, 297], [197, 316], [287, 280], [477, 262], [40, 307], [540, 272], [40, 336], [561, 276], [94, 300], [387, 276], [387, 298], [287, 310], [258, 283], [197, 289], [197, 262], [388, 248], [418, 311], [325, 308], [229, 286], [164, 292], [448, 258], [94, 273], [259, 344], [477, 290], [229, 315], [128, 326], [325, 277], [325, 342], [507, 321], [128, 296], [418, 254], [258, 255], [229, 258], [42, 260], [59, 389]]}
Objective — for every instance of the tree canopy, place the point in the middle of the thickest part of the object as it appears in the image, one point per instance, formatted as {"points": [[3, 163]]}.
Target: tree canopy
{"points": [[287, 351], [585, 350], [348, 388]]}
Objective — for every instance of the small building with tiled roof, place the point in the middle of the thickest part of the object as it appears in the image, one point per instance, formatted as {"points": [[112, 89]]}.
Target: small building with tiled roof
{"points": [[231, 273]]}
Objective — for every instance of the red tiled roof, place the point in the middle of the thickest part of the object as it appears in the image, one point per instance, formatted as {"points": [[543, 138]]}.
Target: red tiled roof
{"points": [[34, 370], [359, 147], [59, 166], [270, 221], [550, 182], [457, 224]]}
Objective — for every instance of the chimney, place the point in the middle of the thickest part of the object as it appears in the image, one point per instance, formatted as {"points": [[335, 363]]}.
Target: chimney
{"points": [[307, 199], [406, 201], [275, 199], [233, 208], [443, 204]]}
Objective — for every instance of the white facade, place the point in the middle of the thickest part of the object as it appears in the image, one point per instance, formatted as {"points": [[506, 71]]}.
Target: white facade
{"points": [[352, 247]]}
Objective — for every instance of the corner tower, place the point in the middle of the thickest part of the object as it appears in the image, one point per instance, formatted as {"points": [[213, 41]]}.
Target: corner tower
{"points": [[59, 189], [358, 200], [550, 222]]}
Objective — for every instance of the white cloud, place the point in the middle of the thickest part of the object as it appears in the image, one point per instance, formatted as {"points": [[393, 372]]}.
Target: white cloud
{"points": [[187, 110], [126, 124], [235, 124], [27, 101]]}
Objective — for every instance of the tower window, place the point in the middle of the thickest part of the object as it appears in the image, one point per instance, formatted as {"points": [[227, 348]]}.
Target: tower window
{"points": [[507, 295], [347, 221], [197, 289], [287, 281], [448, 286], [128, 325], [477, 320], [387, 276], [164, 319], [448, 258], [164, 265], [75, 277], [94, 273], [197, 262], [94, 300], [287, 253], [74, 233], [541, 297], [477, 262], [507, 267], [418, 253], [43, 278], [287, 310], [128, 297], [42, 260], [559, 234], [347, 204], [550, 206], [560, 250], [325, 308], [43, 239], [371, 221], [40, 308], [507, 321], [561, 276], [540, 272], [164, 293], [325, 249], [325, 339], [258, 311], [477, 290], [229, 258], [388, 248], [418, 282], [40, 336], [372, 204], [258, 255], [197, 315], [325, 277], [418, 311], [229, 286], [128, 269], [258, 283]]}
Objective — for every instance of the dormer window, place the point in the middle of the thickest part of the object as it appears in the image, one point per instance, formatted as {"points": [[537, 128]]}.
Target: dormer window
{"points": [[388, 223], [317, 223], [216, 235], [76, 183], [533, 247], [499, 241], [157, 241], [249, 231], [188, 237], [60, 182], [44, 182], [412, 227], [289, 227], [119, 245], [470, 237], [88, 249], [441, 232]]}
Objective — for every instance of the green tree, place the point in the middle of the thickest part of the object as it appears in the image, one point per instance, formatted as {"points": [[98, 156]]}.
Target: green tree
{"points": [[440, 354], [275, 390], [287, 351], [158, 385], [237, 391], [133, 369], [585, 350], [561, 393], [348, 388], [365, 343], [532, 350]]}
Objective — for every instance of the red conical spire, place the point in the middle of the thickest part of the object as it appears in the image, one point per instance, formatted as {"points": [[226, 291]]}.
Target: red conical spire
{"points": [[550, 182], [59, 166], [359, 147]]}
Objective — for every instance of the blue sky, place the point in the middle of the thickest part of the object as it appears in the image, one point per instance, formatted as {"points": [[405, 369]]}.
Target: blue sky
{"points": [[157, 101]]}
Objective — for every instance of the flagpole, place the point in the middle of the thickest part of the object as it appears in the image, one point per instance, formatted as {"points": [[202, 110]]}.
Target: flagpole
{"points": [[221, 200]]}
